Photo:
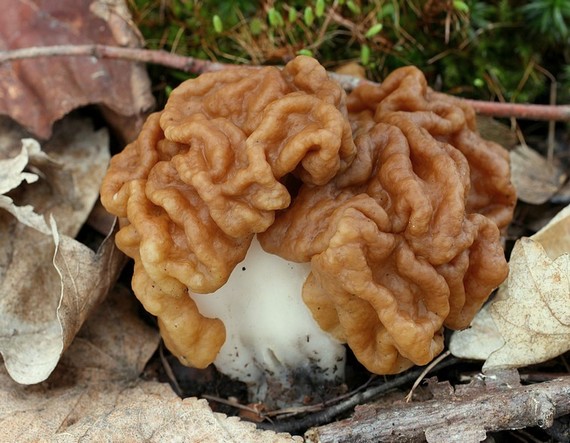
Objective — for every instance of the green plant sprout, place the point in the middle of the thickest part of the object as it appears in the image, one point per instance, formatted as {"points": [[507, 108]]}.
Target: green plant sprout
{"points": [[480, 49]]}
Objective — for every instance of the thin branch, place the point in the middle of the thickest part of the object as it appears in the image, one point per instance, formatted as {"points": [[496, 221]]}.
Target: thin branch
{"points": [[425, 372], [169, 372], [196, 66], [329, 414], [233, 404], [463, 416], [521, 111], [157, 57]]}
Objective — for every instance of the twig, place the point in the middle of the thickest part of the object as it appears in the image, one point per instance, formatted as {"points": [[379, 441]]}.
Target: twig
{"points": [[196, 66], [157, 57], [465, 416], [282, 413], [328, 415], [234, 404], [425, 372], [288, 412], [521, 111], [169, 372]]}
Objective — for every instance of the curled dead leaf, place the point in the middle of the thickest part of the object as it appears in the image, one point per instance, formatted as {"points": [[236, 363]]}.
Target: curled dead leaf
{"points": [[536, 179], [49, 281], [555, 235], [12, 174], [37, 92], [529, 319], [533, 316], [480, 340]]}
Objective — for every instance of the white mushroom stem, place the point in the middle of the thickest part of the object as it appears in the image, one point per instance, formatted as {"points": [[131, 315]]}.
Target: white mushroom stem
{"points": [[273, 344]]}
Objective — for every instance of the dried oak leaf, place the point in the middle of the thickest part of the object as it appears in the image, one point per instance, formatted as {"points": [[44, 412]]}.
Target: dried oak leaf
{"points": [[49, 282], [37, 92], [11, 175], [536, 178], [529, 320], [96, 394]]}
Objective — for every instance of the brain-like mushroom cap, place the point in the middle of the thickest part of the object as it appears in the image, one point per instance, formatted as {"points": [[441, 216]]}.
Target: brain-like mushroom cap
{"points": [[390, 194], [406, 240]]}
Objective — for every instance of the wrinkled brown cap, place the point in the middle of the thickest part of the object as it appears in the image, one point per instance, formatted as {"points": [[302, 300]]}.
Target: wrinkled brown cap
{"points": [[206, 174], [405, 240], [390, 194]]}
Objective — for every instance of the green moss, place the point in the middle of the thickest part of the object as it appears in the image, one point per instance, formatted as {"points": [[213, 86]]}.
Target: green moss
{"points": [[480, 49]]}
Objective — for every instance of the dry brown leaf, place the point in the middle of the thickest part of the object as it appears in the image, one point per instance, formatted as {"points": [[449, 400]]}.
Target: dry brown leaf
{"points": [[12, 174], [531, 313], [555, 236], [494, 130], [96, 393], [535, 178], [113, 345], [50, 282], [480, 340], [37, 92]]}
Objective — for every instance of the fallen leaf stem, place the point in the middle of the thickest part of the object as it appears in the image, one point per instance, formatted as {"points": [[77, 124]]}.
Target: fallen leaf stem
{"points": [[197, 66]]}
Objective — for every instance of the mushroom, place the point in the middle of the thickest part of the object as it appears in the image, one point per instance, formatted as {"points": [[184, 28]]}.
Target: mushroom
{"points": [[272, 343], [382, 210]]}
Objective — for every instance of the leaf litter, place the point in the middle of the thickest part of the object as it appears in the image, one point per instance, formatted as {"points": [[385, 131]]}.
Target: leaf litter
{"points": [[528, 322], [50, 282], [97, 394], [38, 92], [536, 178]]}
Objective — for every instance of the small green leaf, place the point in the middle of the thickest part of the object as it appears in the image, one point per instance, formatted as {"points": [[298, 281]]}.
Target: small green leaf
{"points": [[218, 25], [292, 15], [478, 82], [176, 9], [365, 54], [387, 10], [461, 6], [355, 9], [373, 30], [308, 16], [275, 18], [256, 26], [320, 8], [306, 52]]}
